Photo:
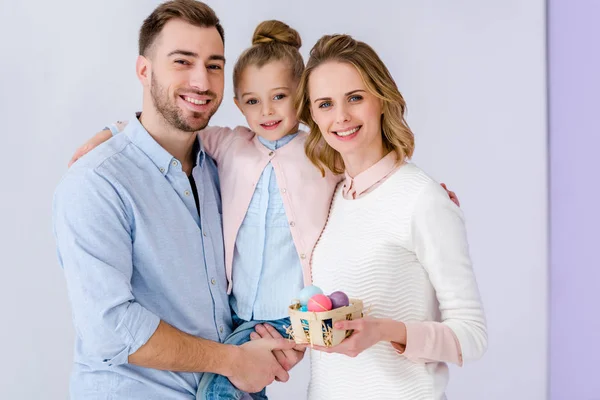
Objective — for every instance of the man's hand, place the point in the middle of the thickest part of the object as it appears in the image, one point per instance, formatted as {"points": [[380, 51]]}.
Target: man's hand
{"points": [[255, 366], [287, 358]]}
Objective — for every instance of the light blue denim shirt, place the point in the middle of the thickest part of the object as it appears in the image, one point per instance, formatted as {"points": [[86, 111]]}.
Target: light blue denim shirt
{"points": [[266, 267], [135, 251]]}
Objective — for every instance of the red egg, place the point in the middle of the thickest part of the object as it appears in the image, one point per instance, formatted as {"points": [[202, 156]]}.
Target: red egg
{"points": [[318, 303]]}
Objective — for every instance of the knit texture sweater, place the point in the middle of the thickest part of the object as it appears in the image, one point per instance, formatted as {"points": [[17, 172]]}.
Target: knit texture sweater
{"points": [[403, 250]]}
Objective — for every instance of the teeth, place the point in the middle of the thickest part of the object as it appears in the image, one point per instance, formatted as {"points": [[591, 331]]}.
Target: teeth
{"points": [[195, 101], [271, 123], [347, 133]]}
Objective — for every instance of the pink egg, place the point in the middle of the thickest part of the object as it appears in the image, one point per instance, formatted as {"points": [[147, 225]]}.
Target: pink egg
{"points": [[318, 303]]}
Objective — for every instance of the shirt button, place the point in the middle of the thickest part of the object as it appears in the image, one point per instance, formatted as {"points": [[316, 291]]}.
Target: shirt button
{"points": [[283, 190], [162, 170], [221, 329], [204, 234], [187, 192], [292, 224], [271, 153], [213, 281], [174, 163]]}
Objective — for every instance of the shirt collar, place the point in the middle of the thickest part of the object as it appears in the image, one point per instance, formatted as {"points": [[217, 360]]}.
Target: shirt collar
{"points": [[159, 156], [276, 144], [354, 187]]}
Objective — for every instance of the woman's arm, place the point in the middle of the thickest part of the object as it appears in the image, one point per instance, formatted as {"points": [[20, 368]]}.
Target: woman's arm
{"points": [[440, 243]]}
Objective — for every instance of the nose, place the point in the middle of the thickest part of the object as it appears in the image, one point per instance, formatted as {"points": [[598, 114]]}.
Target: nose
{"points": [[267, 108], [342, 115], [199, 78]]}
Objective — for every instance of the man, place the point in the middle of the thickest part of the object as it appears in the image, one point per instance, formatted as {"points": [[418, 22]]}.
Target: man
{"points": [[138, 229]]}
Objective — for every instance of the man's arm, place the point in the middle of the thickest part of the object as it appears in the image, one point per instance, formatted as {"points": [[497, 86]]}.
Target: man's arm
{"points": [[250, 367], [93, 233], [173, 350]]}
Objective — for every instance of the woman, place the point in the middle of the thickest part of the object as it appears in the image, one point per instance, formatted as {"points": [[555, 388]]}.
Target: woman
{"points": [[393, 238]]}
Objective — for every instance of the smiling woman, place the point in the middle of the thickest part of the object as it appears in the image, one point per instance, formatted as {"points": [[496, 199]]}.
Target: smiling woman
{"points": [[368, 103], [393, 238]]}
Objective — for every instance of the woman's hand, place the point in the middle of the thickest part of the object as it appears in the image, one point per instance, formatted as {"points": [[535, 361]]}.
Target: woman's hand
{"points": [[98, 139], [367, 332]]}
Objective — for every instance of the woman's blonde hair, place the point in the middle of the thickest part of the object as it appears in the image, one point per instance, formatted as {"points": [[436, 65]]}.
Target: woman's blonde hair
{"points": [[272, 41], [397, 136]]}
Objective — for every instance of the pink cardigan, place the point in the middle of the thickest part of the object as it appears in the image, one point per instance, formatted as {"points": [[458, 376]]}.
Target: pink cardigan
{"points": [[306, 194]]}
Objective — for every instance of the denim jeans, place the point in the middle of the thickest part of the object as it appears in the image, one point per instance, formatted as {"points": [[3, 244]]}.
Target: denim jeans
{"points": [[218, 387]]}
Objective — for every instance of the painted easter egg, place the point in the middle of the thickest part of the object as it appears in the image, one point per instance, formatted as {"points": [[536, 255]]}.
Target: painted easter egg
{"points": [[307, 293], [318, 303], [339, 299]]}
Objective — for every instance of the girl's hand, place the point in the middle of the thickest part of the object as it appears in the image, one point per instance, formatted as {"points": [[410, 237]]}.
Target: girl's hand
{"points": [[98, 139], [367, 332], [451, 194]]}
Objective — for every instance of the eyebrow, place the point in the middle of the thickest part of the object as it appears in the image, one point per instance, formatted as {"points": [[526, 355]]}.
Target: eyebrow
{"points": [[277, 88], [186, 53], [345, 94]]}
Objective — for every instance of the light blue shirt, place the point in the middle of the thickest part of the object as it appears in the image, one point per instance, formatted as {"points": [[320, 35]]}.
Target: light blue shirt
{"points": [[266, 267], [135, 251]]}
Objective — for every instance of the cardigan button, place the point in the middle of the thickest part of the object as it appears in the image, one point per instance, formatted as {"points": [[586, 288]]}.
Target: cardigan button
{"points": [[292, 224], [303, 256], [283, 190], [271, 153]]}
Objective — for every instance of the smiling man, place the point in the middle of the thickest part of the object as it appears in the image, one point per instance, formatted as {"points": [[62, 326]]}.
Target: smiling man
{"points": [[138, 229]]}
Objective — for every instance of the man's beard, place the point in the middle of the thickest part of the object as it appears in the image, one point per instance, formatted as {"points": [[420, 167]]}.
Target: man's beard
{"points": [[174, 115]]}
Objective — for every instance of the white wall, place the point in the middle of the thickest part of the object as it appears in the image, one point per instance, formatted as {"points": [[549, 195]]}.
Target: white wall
{"points": [[472, 72]]}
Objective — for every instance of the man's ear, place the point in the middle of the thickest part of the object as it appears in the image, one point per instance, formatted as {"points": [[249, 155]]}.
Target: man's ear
{"points": [[143, 70]]}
